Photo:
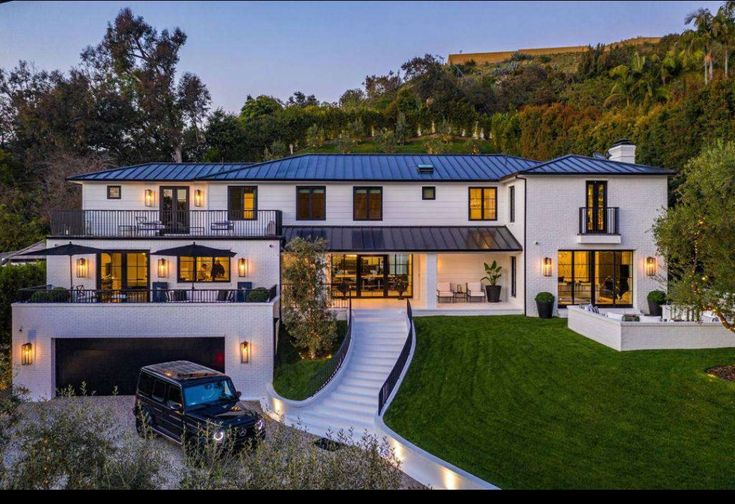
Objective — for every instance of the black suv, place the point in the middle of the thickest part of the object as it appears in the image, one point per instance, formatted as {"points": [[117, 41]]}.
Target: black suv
{"points": [[184, 401]]}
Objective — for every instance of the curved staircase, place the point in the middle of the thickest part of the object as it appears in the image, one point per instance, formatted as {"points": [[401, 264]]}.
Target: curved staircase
{"points": [[377, 339]]}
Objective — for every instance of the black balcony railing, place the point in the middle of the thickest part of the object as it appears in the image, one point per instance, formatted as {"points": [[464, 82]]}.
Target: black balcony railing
{"points": [[395, 373], [598, 220], [160, 223], [47, 294]]}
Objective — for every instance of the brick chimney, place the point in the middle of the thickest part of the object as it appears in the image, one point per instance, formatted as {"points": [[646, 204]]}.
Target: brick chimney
{"points": [[623, 151]]}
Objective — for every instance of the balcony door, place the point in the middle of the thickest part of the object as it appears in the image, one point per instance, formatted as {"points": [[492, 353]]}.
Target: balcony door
{"points": [[123, 276], [174, 209], [596, 204]]}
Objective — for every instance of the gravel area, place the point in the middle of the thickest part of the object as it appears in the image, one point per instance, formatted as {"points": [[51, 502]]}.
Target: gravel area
{"points": [[121, 407]]}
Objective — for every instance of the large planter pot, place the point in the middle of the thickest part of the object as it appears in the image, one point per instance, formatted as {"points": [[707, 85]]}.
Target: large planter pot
{"points": [[654, 309], [493, 293], [545, 310]]}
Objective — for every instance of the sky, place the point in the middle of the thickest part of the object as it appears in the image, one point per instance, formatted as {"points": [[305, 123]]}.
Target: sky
{"points": [[325, 48]]}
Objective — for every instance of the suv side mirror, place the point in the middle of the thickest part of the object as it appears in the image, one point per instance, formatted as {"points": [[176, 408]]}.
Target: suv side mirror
{"points": [[238, 394], [176, 406]]}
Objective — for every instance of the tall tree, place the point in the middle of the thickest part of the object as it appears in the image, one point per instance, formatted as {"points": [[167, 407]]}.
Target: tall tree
{"points": [[702, 20]]}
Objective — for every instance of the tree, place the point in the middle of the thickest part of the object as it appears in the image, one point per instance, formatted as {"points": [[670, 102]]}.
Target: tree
{"points": [[262, 106], [352, 99], [314, 136], [702, 20], [299, 99], [305, 303], [402, 131], [697, 236], [723, 31]]}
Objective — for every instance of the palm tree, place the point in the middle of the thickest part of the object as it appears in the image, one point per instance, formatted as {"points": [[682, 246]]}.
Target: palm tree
{"points": [[702, 20], [723, 30]]}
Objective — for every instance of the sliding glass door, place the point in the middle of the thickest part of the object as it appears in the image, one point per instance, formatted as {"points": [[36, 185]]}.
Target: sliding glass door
{"points": [[372, 276], [600, 277]]}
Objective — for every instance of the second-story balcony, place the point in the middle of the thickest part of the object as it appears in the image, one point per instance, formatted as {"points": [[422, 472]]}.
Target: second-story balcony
{"points": [[157, 223], [598, 225]]}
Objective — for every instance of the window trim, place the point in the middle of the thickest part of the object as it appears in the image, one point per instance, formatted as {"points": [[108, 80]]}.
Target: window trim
{"points": [[354, 206], [512, 203], [230, 212], [119, 192], [482, 203], [592, 265], [311, 188], [433, 193], [179, 279]]}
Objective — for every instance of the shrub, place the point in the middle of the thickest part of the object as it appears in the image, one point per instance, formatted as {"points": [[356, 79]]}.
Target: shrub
{"points": [[657, 296], [545, 297], [55, 295], [258, 295]]}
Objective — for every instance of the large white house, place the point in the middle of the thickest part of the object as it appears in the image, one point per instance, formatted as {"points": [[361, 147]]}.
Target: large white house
{"points": [[396, 226]]}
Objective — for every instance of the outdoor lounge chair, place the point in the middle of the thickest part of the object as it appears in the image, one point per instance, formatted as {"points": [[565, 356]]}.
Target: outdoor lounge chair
{"points": [[444, 291], [475, 292]]}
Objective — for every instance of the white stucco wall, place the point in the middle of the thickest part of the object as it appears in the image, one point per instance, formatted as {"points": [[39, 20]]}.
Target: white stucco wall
{"points": [[40, 324], [263, 261], [553, 224]]}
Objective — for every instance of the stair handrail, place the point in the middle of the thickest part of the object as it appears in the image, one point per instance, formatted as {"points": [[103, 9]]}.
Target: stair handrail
{"points": [[329, 371], [390, 383]]}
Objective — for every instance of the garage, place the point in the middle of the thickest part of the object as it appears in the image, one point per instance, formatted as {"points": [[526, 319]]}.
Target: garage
{"points": [[104, 363]]}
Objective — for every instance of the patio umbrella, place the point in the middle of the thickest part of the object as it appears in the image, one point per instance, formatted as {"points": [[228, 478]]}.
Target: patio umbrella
{"points": [[195, 251], [65, 250]]}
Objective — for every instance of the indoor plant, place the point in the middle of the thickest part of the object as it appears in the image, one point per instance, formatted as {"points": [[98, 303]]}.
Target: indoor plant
{"points": [[545, 304], [492, 275], [656, 298]]}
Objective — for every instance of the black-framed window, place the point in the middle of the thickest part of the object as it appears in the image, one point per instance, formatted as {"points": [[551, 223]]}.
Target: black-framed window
{"points": [[428, 193], [600, 277], [242, 202], [204, 269], [367, 203], [596, 202], [114, 192], [483, 203], [311, 203], [513, 276], [512, 203]]}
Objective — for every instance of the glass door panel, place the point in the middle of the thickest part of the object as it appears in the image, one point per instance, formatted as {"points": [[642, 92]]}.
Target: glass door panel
{"points": [[344, 275], [174, 209], [121, 274], [400, 279], [371, 276], [607, 291], [596, 203]]}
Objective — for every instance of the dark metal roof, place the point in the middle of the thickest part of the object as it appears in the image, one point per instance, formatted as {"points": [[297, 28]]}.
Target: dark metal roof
{"points": [[162, 172], [582, 165], [408, 238], [381, 167]]}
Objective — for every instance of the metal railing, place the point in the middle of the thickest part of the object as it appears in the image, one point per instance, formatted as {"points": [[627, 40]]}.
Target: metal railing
{"points": [[46, 294], [602, 220], [395, 373], [326, 373], [335, 299], [161, 223]]}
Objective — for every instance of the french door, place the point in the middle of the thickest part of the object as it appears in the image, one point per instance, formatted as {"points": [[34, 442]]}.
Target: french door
{"points": [[123, 276], [596, 204], [372, 276], [174, 209]]}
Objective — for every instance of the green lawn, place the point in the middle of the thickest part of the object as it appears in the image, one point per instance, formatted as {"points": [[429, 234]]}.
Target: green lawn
{"points": [[293, 375], [527, 403]]}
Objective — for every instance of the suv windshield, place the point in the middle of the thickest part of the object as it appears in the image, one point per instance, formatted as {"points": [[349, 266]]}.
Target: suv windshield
{"points": [[209, 393]]}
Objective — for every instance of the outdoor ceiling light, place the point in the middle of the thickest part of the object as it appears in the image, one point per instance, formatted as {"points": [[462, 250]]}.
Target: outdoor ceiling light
{"points": [[198, 198], [242, 267], [162, 268], [149, 197], [650, 266], [547, 266], [82, 268], [244, 352], [26, 354]]}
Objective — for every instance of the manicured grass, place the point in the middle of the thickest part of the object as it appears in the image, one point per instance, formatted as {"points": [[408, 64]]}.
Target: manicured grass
{"points": [[293, 374], [527, 403]]}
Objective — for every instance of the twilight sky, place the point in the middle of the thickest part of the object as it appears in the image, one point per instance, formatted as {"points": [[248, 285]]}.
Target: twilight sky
{"points": [[324, 48]]}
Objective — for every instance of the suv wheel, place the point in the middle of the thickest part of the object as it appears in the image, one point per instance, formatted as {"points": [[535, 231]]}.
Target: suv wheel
{"points": [[143, 424]]}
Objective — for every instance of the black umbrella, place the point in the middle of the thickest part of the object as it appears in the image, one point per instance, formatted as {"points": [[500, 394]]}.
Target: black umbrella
{"points": [[195, 251], [65, 250]]}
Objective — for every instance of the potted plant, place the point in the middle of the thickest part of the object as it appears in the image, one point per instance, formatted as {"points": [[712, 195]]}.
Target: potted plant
{"points": [[401, 284], [492, 275], [545, 304], [656, 298]]}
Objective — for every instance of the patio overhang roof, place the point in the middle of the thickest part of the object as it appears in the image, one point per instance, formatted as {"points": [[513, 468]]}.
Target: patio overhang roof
{"points": [[409, 238]]}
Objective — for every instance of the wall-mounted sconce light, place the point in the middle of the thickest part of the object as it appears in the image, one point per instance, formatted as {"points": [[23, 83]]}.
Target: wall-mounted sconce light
{"points": [[198, 198], [162, 268], [244, 352], [547, 266], [82, 267], [650, 266], [26, 354], [242, 267], [149, 199]]}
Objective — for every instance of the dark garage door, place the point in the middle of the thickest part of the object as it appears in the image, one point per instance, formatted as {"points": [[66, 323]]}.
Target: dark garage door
{"points": [[103, 363]]}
